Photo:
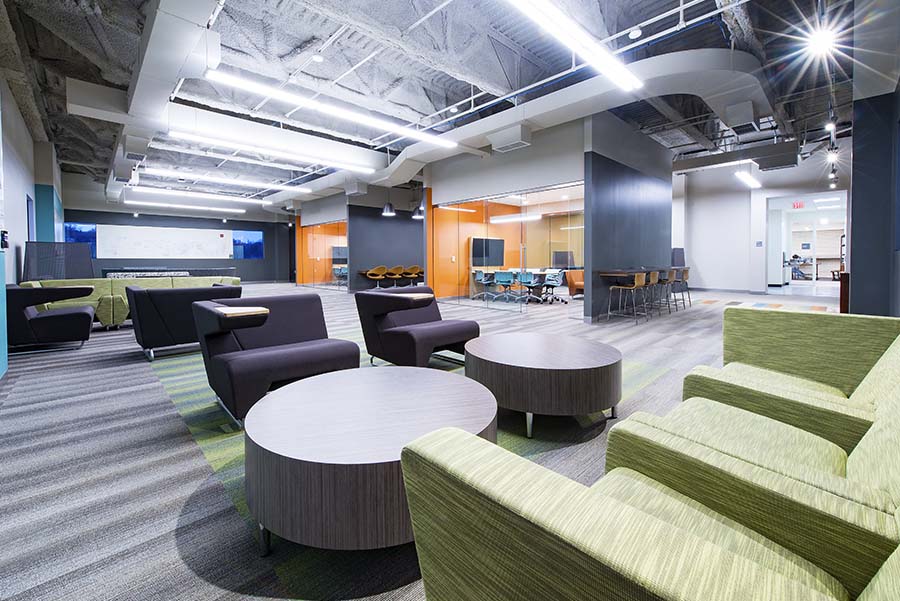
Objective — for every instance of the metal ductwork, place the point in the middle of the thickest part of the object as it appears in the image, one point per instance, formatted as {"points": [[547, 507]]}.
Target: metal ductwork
{"points": [[513, 138], [769, 157], [741, 118]]}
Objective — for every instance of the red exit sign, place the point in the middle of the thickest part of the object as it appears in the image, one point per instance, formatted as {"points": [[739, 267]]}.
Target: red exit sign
{"points": [[798, 204]]}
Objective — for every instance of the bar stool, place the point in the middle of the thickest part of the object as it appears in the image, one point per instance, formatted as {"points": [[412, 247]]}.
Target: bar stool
{"points": [[653, 285], [377, 274], [395, 273], [413, 273], [685, 287], [666, 285], [639, 283]]}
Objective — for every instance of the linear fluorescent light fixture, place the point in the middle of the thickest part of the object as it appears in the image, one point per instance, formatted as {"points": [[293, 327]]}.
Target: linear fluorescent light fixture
{"points": [[516, 218], [198, 195], [272, 152], [827, 200], [304, 102], [457, 209], [215, 179], [578, 40], [823, 207], [748, 179], [166, 205], [572, 227]]}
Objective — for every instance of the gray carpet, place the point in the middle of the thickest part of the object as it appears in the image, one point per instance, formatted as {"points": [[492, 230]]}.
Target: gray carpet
{"points": [[106, 493]]}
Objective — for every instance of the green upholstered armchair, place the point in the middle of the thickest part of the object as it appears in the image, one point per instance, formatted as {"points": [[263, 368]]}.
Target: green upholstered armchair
{"points": [[809, 370], [492, 526]]}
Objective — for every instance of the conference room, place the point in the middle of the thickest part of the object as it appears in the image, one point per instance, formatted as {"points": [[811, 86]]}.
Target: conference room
{"points": [[512, 252]]}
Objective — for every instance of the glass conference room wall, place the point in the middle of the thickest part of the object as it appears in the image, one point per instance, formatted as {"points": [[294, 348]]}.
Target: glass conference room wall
{"points": [[323, 255], [496, 252]]}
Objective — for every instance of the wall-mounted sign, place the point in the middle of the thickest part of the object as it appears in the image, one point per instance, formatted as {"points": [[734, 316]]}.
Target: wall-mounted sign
{"points": [[805, 245], [798, 204]]}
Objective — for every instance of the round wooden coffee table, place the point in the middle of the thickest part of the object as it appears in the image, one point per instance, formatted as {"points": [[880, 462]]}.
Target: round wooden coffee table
{"points": [[322, 455], [547, 374]]}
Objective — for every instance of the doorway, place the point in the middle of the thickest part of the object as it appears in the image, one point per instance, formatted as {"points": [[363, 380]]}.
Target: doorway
{"points": [[807, 248]]}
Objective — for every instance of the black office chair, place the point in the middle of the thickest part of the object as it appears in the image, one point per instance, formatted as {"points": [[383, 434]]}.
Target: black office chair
{"points": [[552, 279]]}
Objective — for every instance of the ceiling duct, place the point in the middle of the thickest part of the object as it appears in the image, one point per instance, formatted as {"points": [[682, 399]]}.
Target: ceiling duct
{"points": [[355, 188], [741, 118], [769, 157], [512, 138], [136, 148]]}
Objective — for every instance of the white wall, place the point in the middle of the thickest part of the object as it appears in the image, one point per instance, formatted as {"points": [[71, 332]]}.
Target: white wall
{"points": [[18, 180], [678, 192], [556, 156], [724, 220]]}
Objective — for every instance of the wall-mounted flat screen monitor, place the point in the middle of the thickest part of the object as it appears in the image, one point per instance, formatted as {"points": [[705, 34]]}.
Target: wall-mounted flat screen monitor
{"points": [[563, 259], [487, 252], [339, 255]]}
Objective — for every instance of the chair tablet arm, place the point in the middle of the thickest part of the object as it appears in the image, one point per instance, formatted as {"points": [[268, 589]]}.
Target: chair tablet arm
{"points": [[213, 318], [386, 302], [29, 297]]}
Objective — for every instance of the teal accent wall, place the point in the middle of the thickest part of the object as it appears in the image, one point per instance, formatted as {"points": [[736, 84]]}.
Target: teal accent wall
{"points": [[4, 350], [48, 214]]}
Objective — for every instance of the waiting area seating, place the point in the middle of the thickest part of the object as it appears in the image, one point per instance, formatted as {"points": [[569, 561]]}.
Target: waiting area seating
{"points": [[404, 326], [28, 327], [163, 317], [109, 299], [491, 525], [281, 339], [782, 484], [398, 275]]}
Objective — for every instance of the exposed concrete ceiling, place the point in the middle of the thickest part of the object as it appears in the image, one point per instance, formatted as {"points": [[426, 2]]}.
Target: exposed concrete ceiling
{"points": [[403, 60]]}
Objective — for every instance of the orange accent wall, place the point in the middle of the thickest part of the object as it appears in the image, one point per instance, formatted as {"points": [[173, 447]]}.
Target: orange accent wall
{"points": [[450, 238], [314, 258], [429, 240]]}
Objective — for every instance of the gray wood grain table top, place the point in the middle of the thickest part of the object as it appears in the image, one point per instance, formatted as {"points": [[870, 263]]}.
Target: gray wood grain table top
{"points": [[364, 416], [543, 351]]}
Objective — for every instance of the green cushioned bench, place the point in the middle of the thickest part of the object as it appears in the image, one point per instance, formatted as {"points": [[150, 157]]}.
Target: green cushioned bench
{"points": [[109, 299]]}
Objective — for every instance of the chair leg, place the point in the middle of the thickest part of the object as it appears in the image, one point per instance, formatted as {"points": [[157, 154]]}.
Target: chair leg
{"points": [[609, 306], [634, 305], [686, 287]]}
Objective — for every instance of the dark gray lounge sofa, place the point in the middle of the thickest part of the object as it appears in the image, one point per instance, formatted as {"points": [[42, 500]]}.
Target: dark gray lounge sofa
{"points": [[27, 327]]}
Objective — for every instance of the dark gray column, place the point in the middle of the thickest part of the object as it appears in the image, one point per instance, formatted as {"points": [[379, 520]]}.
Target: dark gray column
{"points": [[875, 206], [628, 222]]}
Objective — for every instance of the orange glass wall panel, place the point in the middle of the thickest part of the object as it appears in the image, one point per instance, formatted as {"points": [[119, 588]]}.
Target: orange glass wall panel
{"points": [[450, 248], [314, 251]]}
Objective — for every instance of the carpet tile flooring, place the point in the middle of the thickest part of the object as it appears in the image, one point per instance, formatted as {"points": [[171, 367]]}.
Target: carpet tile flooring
{"points": [[122, 479]]}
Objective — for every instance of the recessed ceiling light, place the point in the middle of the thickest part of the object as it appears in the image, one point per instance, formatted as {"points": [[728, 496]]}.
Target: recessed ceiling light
{"points": [[283, 154], [830, 126], [832, 175], [228, 181], [635, 33], [832, 185], [199, 195], [305, 102], [820, 41], [318, 58], [166, 205], [135, 215], [832, 156], [568, 33], [454, 110], [748, 179], [224, 220]]}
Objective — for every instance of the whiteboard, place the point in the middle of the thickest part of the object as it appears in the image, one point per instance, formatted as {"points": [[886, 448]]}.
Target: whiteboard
{"points": [[145, 242]]}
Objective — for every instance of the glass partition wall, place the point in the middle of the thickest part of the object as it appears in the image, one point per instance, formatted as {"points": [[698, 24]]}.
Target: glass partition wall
{"points": [[323, 255], [511, 252]]}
